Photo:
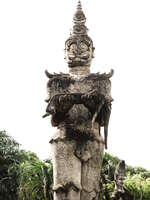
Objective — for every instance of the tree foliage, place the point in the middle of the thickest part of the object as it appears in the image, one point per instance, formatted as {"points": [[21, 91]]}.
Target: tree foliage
{"points": [[107, 175], [35, 181], [23, 176], [137, 182], [9, 167]]}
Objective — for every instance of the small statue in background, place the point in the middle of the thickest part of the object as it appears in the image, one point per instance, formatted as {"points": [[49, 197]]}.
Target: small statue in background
{"points": [[119, 178]]}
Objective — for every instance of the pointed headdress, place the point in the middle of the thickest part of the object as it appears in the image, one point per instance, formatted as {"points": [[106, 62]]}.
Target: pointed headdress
{"points": [[80, 31]]}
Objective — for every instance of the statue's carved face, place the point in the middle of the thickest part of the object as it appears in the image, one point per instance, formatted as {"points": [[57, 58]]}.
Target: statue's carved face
{"points": [[79, 53]]}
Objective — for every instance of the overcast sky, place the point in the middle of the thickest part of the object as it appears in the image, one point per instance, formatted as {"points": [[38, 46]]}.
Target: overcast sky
{"points": [[32, 36]]}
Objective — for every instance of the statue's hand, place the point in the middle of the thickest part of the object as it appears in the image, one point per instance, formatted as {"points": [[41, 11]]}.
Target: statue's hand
{"points": [[63, 98], [91, 98], [60, 103], [50, 109]]}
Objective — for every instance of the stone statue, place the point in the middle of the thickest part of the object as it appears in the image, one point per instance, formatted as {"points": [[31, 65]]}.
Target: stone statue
{"points": [[79, 104], [119, 178]]}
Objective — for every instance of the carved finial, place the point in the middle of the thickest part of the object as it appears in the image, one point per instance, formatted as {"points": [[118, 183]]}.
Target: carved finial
{"points": [[79, 6], [79, 20]]}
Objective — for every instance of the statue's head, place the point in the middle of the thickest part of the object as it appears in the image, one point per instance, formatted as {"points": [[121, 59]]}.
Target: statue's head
{"points": [[79, 51], [79, 46]]}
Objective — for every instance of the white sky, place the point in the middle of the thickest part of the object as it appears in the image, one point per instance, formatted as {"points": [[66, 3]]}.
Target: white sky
{"points": [[32, 36]]}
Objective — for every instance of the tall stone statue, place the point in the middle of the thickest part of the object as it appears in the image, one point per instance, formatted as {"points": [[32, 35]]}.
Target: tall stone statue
{"points": [[79, 104]]}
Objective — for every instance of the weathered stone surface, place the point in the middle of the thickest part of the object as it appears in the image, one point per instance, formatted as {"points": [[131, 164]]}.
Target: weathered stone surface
{"points": [[77, 165], [79, 104], [67, 166], [119, 178]]}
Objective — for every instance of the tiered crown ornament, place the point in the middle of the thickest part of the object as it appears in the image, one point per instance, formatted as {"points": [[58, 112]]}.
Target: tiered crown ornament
{"points": [[79, 46]]}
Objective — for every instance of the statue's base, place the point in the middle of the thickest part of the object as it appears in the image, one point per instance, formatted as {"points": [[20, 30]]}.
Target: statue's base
{"points": [[77, 166]]}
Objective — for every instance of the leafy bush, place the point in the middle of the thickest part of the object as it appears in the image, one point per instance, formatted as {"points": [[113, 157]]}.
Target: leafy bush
{"points": [[23, 176], [9, 167], [137, 183], [35, 180]]}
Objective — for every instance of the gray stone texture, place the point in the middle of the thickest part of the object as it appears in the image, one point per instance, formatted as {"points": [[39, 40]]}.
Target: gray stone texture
{"points": [[79, 104]]}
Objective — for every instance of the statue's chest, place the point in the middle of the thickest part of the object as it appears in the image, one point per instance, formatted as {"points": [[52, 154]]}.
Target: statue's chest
{"points": [[79, 113], [80, 86]]}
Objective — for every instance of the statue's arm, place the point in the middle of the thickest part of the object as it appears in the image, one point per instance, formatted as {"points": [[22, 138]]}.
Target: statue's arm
{"points": [[60, 104]]}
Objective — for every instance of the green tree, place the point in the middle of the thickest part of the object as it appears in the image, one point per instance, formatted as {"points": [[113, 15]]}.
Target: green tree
{"points": [[138, 186], [35, 181], [22, 174], [137, 183], [107, 175], [9, 167]]}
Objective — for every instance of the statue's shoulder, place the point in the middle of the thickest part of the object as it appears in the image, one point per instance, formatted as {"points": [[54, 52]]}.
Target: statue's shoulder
{"points": [[100, 77], [60, 80], [100, 82]]}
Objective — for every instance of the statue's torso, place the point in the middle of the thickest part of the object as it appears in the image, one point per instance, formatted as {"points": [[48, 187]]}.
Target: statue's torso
{"points": [[65, 84]]}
